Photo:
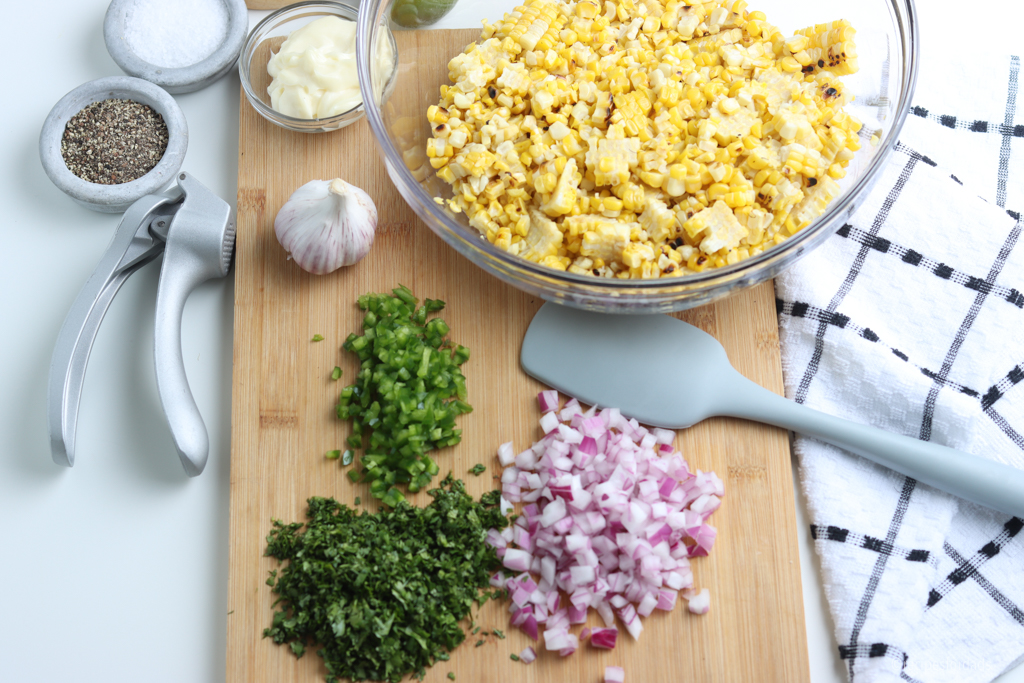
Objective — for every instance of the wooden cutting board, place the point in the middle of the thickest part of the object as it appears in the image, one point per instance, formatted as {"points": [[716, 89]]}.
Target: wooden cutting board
{"points": [[283, 422]]}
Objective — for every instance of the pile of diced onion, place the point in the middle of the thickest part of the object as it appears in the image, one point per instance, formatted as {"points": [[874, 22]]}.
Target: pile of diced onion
{"points": [[612, 516]]}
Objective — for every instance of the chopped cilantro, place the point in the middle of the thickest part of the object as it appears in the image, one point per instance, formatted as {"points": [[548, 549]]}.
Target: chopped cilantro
{"points": [[336, 373], [478, 469], [479, 643], [332, 455], [346, 459], [499, 633], [514, 657], [406, 395], [382, 595], [318, 337], [451, 675], [359, 501]]}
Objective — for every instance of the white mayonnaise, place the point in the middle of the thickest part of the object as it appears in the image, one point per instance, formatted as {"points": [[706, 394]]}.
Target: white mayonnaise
{"points": [[314, 72]]}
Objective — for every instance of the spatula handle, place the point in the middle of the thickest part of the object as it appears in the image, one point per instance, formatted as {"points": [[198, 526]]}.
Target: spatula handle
{"points": [[985, 482]]}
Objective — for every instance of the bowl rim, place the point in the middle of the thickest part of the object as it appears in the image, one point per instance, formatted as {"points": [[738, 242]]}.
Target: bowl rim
{"points": [[183, 79], [347, 8], [430, 211], [118, 197]]}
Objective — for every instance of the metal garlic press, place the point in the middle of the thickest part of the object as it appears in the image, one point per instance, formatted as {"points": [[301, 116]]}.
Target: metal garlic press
{"points": [[192, 227]]}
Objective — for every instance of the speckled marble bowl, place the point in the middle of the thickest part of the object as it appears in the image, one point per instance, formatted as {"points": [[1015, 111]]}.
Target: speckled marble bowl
{"points": [[113, 198], [183, 79]]}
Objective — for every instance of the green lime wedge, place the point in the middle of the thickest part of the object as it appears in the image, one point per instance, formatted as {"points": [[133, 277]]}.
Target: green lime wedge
{"points": [[418, 13]]}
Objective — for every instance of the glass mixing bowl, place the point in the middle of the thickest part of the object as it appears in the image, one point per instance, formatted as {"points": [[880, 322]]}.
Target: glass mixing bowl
{"points": [[887, 45]]}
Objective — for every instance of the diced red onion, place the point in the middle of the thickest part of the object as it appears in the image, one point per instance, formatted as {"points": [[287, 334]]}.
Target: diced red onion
{"points": [[604, 637], [612, 516], [527, 656], [665, 437], [666, 600], [520, 615], [520, 597], [570, 410], [577, 615], [700, 603], [517, 560], [573, 645], [556, 638], [506, 456], [548, 400], [605, 610], [614, 674], [495, 539], [527, 582], [530, 628], [549, 422], [647, 604], [631, 620]]}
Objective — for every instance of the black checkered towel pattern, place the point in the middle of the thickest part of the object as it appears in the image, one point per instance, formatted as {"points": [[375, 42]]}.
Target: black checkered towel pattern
{"points": [[911, 318]]}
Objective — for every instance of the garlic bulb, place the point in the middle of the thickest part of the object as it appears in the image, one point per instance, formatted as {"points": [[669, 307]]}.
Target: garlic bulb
{"points": [[326, 224]]}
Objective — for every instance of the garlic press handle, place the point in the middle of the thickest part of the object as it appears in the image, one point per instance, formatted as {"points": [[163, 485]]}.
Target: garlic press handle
{"points": [[200, 243], [132, 247]]}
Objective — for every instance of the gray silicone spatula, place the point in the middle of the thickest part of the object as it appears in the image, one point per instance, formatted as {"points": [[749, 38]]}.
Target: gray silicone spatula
{"points": [[667, 373]]}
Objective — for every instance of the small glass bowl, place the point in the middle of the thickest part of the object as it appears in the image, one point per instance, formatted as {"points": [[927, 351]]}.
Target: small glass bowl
{"points": [[268, 35]]}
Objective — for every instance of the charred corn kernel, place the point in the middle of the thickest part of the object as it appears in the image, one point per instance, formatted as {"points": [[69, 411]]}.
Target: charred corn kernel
{"points": [[789, 64], [717, 191], [757, 161], [831, 46], [436, 114], [652, 179], [728, 106], [586, 9], [446, 174], [612, 204], [797, 43], [545, 182]]}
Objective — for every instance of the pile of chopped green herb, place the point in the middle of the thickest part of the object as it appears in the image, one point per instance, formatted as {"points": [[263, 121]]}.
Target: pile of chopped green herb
{"points": [[383, 594], [407, 394]]}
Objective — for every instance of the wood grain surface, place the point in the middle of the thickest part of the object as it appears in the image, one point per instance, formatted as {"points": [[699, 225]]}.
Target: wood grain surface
{"points": [[267, 4], [283, 422]]}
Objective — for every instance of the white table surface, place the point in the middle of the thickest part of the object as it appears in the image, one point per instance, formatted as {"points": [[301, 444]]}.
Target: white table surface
{"points": [[116, 570]]}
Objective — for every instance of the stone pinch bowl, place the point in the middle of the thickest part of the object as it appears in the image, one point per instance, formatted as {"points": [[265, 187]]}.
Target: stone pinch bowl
{"points": [[113, 198], [176, 80]]}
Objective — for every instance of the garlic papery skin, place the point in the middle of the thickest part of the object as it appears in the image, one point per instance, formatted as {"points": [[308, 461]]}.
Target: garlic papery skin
{"points": [[326, 224]]}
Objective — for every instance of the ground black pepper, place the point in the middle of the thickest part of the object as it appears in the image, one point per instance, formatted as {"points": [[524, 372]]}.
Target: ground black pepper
{"points": [[114, 141]]}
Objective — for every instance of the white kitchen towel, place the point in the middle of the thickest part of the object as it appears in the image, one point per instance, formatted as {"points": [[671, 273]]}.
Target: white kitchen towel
{"points": [[911, 318]]}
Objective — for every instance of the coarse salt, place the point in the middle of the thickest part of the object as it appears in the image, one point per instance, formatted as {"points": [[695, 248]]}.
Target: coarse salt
{"points": [[175, 34]]}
